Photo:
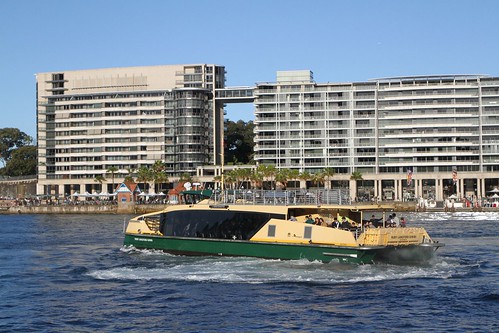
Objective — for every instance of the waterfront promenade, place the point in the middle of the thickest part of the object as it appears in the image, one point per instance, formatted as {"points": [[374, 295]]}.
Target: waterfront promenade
{"points": [[11, 207], [103, 208]]}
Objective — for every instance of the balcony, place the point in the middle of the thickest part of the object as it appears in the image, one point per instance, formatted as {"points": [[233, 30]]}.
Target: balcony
{"points": [[431, 105]]}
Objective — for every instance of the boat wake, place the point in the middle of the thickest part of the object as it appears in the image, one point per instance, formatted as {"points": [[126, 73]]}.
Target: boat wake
{"points": [[463, 217], [156, 265]]}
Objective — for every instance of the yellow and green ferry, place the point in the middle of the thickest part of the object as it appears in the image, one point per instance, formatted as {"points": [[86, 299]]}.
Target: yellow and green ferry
{"points": [[201, 226]]}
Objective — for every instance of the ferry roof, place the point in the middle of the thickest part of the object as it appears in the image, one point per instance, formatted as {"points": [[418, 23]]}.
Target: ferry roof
{"points": [[271, 208]]}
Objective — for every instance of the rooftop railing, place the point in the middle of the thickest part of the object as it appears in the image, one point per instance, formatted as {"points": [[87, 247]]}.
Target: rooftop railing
{"points": [[316, 197]]}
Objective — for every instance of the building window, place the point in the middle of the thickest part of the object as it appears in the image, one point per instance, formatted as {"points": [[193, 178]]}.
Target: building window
{"points": [[57, 76]]}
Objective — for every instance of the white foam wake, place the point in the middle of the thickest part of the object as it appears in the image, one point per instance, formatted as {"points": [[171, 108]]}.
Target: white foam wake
{"points": [[251, 270]]}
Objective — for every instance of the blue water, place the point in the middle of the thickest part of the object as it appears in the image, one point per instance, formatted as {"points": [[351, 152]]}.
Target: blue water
{"points": [[70, 273]]}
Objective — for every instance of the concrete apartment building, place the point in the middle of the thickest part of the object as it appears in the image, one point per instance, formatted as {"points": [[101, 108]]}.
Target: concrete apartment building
{"points": [[439, 132], [91, 120]]}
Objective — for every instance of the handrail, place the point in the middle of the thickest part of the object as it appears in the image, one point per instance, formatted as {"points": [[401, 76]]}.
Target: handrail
{"points": [[337, 196]]}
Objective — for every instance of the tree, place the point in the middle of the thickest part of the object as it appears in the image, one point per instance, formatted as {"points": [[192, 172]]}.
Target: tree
{"points": [[318, 178], [294, 174], [239, 142], [145, 175], [282, 176], [100, 179], [245, 174], [10, 140], [328, 173], [129, 177], [160, 178], [256, 178], [22, 162], [356, 176], [185, 177], [218, 179], [237, 176], [229, 178], [306, 176], [112, 170], [158, 173], [268, 172]]}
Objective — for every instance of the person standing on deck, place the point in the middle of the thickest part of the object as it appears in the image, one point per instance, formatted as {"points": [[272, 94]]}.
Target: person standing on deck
{"points": [[396, 221]]}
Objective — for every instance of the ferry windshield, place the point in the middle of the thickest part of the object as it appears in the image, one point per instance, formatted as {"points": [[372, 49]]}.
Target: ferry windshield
{"points": [[221, 224]]}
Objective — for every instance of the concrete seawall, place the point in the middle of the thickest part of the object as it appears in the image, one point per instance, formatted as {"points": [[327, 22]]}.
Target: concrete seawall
{"points": [[81, 209], [131, 208]]}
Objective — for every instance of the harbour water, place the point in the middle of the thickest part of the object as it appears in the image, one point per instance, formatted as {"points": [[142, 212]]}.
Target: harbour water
{"points": [[70, 273]]}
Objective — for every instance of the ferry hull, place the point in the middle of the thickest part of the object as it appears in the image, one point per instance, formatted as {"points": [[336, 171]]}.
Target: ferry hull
{"points": [[216, 247], [407, 255], [212, 247]]}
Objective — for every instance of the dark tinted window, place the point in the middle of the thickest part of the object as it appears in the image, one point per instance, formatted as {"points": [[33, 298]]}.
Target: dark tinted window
{"points": [[222, 224]]}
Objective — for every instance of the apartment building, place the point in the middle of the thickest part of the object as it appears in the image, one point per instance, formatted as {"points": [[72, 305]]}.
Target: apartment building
{"points": [[91, 120], [421, 136]]}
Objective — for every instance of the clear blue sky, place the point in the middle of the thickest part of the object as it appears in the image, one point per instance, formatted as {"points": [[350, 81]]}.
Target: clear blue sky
{"points": [[340, 41]]}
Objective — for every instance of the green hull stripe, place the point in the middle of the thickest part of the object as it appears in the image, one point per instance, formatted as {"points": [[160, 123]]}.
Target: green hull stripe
{"points": [[203, 246]]}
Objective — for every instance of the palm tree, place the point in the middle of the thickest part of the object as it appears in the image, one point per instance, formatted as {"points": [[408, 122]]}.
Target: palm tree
{"points": [[144, 175], [356, 176], [185, 177], [230, 178], [256, 179], [112, 170], [158, 173], [245, 174], [100, 179], [318, 178], [306, 176], [160, 178], [129, 176], [217, 179], [238, 176], [294, 174], [282, 176], [268, 171], [328, 174]]}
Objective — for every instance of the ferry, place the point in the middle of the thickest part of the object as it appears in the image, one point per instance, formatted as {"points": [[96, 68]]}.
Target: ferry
{"points": [[278, 229]]}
